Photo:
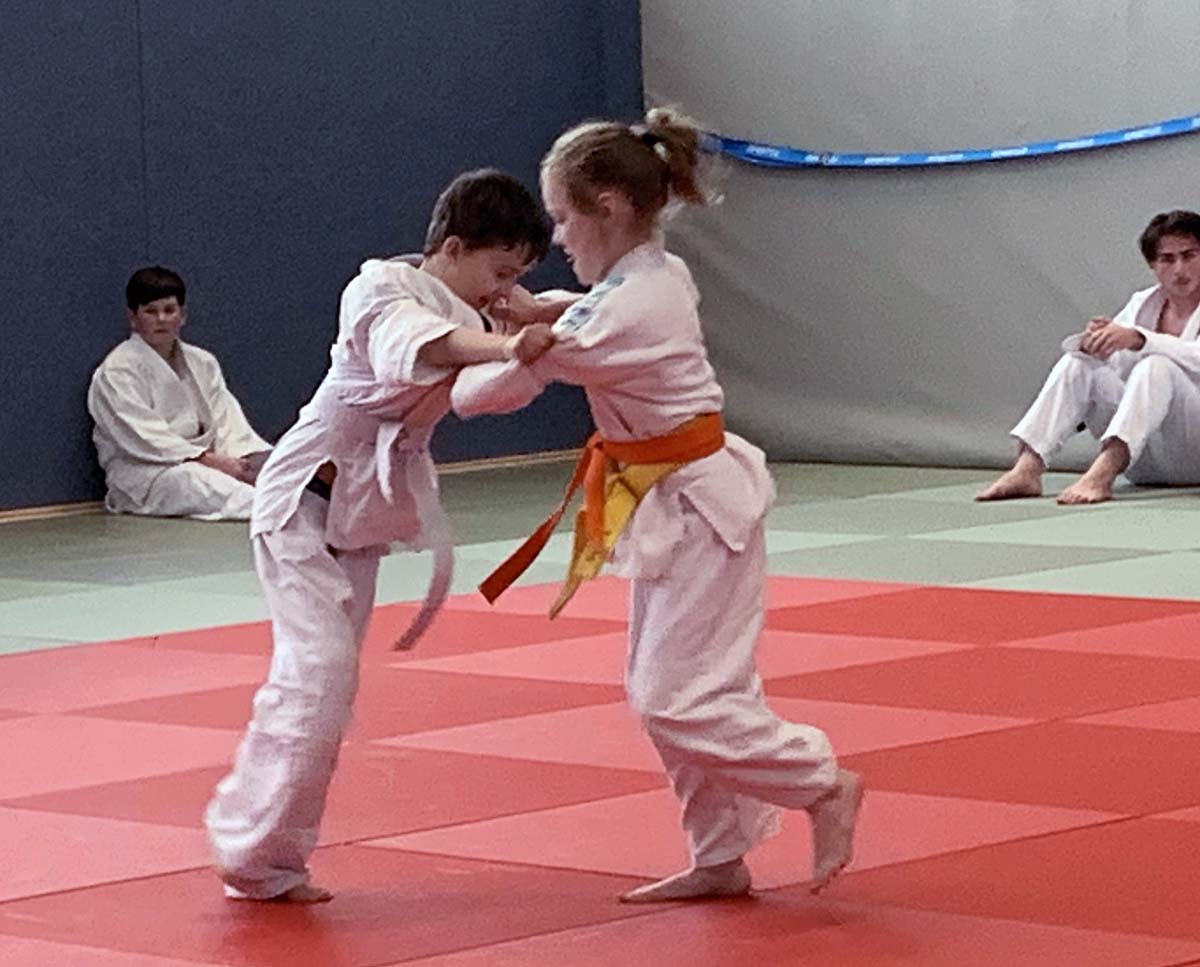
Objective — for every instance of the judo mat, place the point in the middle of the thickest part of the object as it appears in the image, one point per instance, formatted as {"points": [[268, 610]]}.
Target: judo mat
{"points": [[1031, 753]]}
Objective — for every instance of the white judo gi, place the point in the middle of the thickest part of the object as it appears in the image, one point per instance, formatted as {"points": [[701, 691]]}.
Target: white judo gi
{"points": [[153, 418], [318, 559], [694, 551], [1147, 398]]}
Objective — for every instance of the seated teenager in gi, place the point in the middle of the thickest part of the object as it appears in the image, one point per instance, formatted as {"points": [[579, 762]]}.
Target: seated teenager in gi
{"points": [[171, 437], [1133, 381]]}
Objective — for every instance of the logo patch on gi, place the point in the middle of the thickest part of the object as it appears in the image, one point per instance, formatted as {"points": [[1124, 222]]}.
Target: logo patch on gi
{"points": [[583, 310]]}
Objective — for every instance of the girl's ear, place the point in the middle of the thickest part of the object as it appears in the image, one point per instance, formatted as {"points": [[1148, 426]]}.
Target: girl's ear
{"points": [[611, 203]]}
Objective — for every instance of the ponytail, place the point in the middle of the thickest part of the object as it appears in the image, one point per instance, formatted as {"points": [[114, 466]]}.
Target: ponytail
{"points": [[677, 142], [655, 162]]}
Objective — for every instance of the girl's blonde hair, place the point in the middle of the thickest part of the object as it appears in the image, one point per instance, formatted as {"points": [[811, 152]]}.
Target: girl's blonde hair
{"points": [[654, 163]]}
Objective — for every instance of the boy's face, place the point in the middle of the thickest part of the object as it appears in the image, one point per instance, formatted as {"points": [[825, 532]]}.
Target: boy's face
{"points": [[480, 276], [1177, 266], [159, 322]]}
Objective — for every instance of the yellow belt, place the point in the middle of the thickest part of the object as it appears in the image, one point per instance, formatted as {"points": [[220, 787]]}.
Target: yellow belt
{"points": [[615, 476]]}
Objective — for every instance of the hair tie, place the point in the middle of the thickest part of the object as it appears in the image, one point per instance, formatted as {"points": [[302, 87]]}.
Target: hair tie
{"points": [[645, 135]]}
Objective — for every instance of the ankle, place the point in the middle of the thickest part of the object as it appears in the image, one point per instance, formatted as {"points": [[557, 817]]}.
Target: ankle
{"points": [[724, 867]]}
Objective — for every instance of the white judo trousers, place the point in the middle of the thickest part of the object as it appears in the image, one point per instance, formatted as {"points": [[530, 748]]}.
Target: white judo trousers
{"points": [[264, 819], [692, 680], [1155, 412], [194, 490]]}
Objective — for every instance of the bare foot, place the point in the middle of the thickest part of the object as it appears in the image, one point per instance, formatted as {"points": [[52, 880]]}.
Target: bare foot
{"points": [[1015, 483], [833, 820], [1086, 491], [300, 893], [1096, 484], [730, 879], [303, 893]]}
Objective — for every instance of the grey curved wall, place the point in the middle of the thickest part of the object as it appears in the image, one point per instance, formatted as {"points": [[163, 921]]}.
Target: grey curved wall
{"points": [[910, 316]]}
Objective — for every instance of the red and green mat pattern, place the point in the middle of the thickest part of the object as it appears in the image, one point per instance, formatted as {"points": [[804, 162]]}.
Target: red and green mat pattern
{"points": [[1032, 761]]}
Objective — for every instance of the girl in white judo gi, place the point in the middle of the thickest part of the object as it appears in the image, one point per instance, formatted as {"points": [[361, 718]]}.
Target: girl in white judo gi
{"points": [[353, 474], [695, 545], [1133, 381]]}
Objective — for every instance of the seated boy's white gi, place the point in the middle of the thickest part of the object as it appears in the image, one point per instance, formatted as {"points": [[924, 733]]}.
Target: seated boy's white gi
{"points": [[170, 436], [1133, 381]]}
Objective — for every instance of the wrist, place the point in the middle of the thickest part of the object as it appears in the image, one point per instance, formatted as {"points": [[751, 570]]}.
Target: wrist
{"points": [[550, 310]]}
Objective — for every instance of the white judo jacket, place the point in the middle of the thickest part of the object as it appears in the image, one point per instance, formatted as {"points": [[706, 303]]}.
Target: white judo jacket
{"points": [[1141, 312], [373, 414], [635, 344], [148, 417]]}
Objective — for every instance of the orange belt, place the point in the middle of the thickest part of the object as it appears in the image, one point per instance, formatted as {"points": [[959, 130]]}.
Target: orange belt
{"points": [[598, 466]]}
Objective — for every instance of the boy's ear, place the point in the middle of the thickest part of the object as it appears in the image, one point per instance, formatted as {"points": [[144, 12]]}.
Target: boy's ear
{"points": [[452, 247]]}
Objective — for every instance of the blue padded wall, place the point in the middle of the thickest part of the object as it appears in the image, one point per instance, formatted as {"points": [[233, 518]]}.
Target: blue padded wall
{"points": [[264, 151]]}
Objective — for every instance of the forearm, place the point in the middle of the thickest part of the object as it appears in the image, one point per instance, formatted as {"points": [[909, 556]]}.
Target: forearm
{"points": [[553, 303], [1186, 353], [521, 308], [465, 347], [151, 444], [496, 388]]}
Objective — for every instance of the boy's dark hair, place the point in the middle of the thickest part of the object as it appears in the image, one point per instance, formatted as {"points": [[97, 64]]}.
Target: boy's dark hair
{"points": [[151, 284], [488, 208], [1177, 222]]}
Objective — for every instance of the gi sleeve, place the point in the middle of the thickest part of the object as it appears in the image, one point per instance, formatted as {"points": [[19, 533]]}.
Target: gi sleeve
{"points": [[494, 388], [402, 327], [1185, 353], [235, 435], [596, 342]]}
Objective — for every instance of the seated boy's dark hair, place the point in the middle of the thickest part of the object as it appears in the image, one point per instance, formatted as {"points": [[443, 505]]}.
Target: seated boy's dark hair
{"points": [[1177, 222], [151, 284], [487, 208]]}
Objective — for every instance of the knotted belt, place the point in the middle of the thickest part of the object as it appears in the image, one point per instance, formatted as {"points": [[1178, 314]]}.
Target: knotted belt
{"points": [[615, 476]]}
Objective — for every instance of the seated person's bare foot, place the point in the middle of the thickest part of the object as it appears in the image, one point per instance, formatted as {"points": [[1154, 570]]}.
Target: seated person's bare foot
{"points": [[834, 818], [1096, 485], [1013, 484], [730, 879], [1086, 490]]}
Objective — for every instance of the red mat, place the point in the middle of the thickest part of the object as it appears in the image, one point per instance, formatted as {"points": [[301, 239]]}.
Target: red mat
{"points": [[1033, 762], [790, 930]]}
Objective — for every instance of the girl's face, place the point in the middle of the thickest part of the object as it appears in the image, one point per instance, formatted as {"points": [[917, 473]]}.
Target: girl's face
{"points": [[592, 241]]}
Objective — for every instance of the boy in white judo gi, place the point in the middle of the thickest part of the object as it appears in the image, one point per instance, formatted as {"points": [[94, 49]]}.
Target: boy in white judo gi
{"points": [[353, 474], [170, 436], [1133, 381], [691, 499]]}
